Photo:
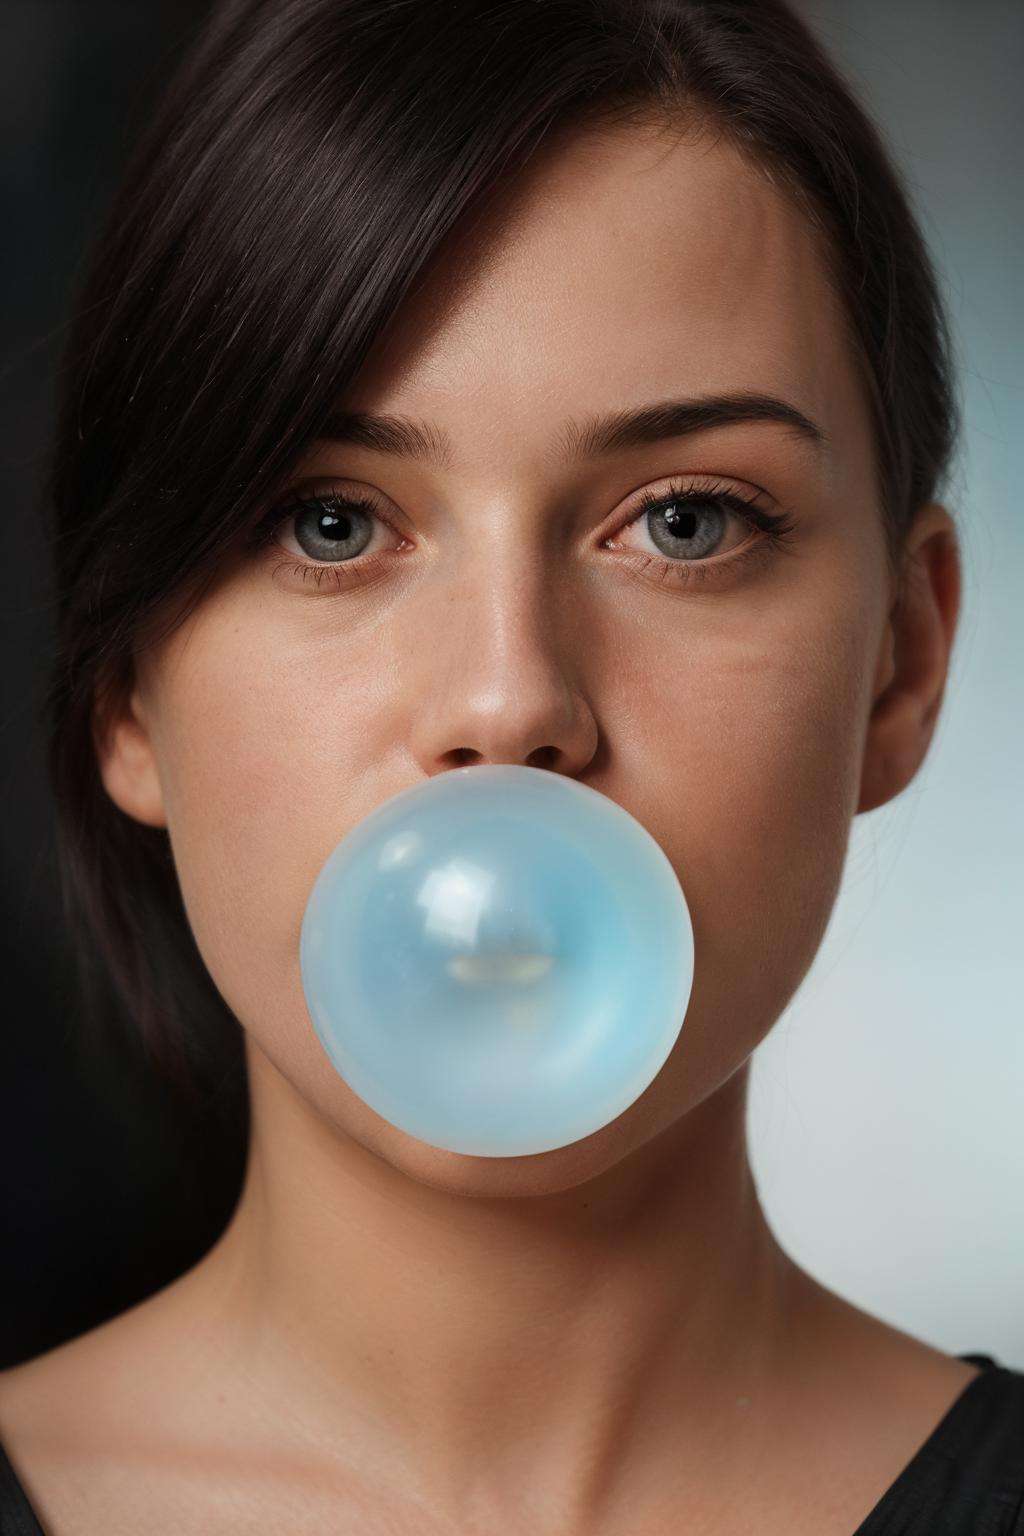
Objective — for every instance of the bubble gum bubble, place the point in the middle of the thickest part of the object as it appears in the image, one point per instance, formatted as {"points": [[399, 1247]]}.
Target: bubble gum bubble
{"points": [[498, 960]]}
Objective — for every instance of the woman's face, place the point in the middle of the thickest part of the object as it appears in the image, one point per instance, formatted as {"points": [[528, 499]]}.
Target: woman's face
{"points": [[514, 604]]}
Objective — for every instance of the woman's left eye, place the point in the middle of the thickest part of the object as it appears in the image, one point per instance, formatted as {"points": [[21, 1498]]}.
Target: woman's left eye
{"points": [[688, 523], [684, 523]]}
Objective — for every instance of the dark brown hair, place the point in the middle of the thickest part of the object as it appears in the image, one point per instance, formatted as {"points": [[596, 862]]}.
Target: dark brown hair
{"points": [[302, 170]]}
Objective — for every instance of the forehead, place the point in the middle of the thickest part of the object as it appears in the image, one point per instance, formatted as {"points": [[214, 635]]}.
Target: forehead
{"points": [[626, 264]]}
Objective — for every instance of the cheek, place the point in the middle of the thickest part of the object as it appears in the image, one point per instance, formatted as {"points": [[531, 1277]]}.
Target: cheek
{"points": [[263, 768], [786, 767], [751, 779]]}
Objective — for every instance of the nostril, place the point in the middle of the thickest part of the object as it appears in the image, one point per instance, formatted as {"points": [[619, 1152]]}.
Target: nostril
{"points": [[543, 757]]}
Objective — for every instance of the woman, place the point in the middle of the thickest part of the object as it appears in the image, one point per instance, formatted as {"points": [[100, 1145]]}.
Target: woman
{"points": [[562, 385]]}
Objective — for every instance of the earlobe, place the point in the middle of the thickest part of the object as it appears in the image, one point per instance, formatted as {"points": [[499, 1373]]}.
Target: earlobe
{"points": [[127, 762], [914, 659]]}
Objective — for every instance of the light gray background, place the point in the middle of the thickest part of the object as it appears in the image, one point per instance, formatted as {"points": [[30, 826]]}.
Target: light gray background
{"points": [[887, 1105]]}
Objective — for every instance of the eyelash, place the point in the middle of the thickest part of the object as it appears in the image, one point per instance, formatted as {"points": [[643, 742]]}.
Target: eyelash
{"points": [[777, 530]]}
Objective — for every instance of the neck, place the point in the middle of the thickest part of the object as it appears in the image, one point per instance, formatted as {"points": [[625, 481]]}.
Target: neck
{"points": [[463, 1349]]}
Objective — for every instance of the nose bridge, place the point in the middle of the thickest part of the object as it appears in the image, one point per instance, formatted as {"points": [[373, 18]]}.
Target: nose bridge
{"points": [[506, 590], [501, 671]]}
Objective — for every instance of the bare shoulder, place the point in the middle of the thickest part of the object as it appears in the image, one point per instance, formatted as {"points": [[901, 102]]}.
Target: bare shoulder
{"points": [[132, 1380], [99, 1429], [41, 1398], [867, 1395], [78, 1389], [62, 1431], [870, 1361], [135, 1426]]}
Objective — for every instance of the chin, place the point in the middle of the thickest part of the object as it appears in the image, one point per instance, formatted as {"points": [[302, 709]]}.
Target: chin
{"points": [[500, 1178]]}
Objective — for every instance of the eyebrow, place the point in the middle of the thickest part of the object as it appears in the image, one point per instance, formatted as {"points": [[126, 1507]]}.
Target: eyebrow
{"points": [[578, 441]]}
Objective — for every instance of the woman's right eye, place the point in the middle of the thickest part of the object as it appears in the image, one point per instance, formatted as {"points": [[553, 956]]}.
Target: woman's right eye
{"points": [[325, 527]]}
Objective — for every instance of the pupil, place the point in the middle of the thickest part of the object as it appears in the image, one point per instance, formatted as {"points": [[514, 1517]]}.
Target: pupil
{"points": [[680, 515], [330, 522]]}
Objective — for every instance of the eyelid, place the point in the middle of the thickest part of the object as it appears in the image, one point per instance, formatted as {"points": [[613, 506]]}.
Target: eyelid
{"points": [[291, 497], [690, 484]]}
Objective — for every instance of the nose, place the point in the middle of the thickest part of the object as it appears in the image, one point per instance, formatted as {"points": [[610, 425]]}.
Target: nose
{"points": [[499, 664]]}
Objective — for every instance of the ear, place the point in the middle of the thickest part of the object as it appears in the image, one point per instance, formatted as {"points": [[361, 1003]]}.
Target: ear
{"points": [[914, 658], [127, 761]]}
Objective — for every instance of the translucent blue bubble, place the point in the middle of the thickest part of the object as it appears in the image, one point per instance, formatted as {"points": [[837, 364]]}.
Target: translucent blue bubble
{"points": [[498, 960]]}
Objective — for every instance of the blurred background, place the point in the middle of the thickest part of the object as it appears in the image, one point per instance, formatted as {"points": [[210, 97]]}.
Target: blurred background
{"points": [[887, 1105]]}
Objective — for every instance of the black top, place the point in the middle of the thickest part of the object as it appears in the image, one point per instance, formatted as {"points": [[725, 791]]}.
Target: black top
{"points": [[967, 1479]]}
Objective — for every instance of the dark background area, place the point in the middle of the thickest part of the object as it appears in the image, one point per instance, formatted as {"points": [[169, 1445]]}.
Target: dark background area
{"points": [[106, 1192]]}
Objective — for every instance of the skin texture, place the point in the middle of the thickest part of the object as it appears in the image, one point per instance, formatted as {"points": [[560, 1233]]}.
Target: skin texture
{"points": [[605, 1336]]}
